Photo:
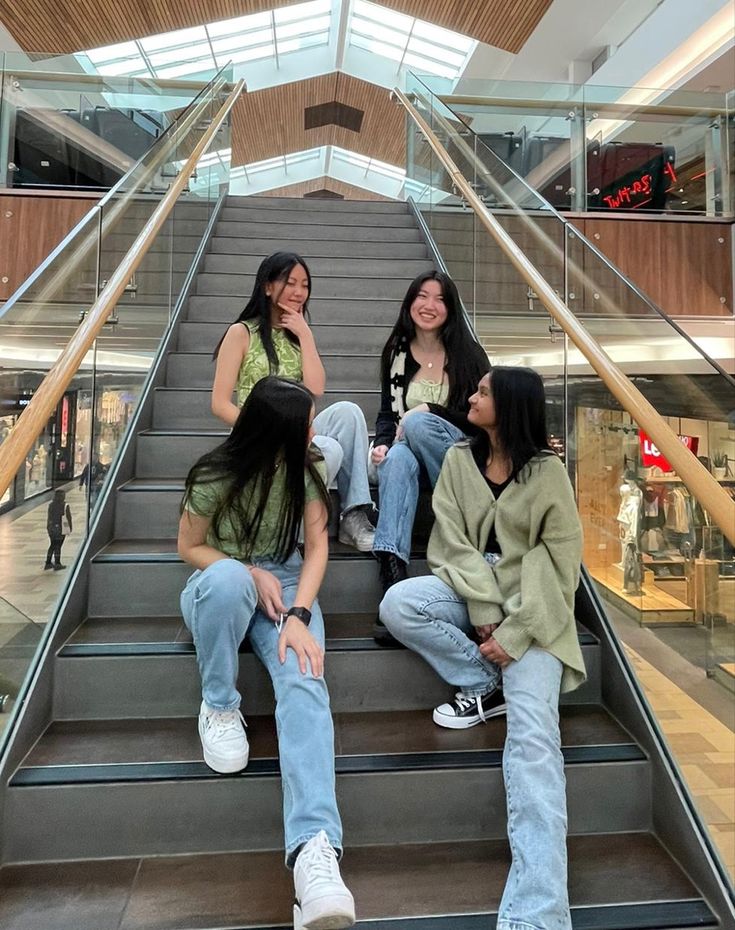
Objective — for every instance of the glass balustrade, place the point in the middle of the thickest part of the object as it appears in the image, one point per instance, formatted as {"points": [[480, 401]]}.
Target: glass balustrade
{"points": [[597, 148], [660, 564], [653, 551], [72, 458]]}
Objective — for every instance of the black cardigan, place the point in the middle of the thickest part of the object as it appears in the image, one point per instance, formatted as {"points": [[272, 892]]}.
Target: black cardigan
{"points": [[387, 420]]}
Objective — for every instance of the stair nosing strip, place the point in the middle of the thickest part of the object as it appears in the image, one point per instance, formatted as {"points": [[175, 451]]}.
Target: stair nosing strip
{"points": [[684, 913], [37, 776], [126, 650]]}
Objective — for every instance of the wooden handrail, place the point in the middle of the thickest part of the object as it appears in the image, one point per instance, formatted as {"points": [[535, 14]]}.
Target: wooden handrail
{"points": [[110, 81], [602, 108], [35, 416], [701, 484]]}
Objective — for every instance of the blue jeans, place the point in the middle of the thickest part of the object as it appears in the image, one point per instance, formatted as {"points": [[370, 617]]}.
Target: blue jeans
{"points": [[342, 437], [220, 607], [426, 439], [429, 617]]}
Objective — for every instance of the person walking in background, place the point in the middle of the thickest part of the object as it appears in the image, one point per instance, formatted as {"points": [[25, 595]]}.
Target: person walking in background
{"points": [[496, 620], [58, 526]]}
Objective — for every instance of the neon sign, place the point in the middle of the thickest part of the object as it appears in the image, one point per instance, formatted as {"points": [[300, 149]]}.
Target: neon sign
{"points": [[630, 194]]}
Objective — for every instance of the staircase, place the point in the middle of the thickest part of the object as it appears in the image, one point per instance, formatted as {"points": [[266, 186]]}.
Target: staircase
{"points": [[110, 817]]}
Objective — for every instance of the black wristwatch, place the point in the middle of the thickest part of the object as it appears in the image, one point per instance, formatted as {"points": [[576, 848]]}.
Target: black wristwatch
{"points": [[302, 613]]}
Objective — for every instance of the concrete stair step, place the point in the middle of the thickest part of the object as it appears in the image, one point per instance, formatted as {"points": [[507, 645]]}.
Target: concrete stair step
{"points": [[315, 205], [332, 339], [144, 507], [190, 408], [130, 577], [618, 881], [402, 754], [241, 285], [344, 372], [334, 265], [308, 227], [225, 310], [311, 249], [250, 213]]}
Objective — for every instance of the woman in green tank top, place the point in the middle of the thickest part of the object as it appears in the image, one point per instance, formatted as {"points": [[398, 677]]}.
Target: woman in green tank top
{"points": [[272, 336]]}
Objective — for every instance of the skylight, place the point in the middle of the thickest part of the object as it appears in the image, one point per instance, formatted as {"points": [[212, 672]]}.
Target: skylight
{"points": [[207, 48], [410, 42]]}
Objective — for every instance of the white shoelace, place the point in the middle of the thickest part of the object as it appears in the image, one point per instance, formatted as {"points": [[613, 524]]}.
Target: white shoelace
{"points": [[223, 722], [463, 701], [319, 860]]}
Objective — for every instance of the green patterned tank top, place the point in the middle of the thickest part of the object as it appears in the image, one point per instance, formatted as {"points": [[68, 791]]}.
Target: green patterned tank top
{"points": [[255, 365]]}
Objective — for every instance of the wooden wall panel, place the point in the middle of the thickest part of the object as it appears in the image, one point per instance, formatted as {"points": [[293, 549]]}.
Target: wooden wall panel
{"points": [[270, 122], [30, 227], [684, 267], [348, 191]]}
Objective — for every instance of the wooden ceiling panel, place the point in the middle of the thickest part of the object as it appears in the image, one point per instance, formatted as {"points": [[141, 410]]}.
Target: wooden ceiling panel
{"points": [[270, 122], [63, 26], [506, 24], [348, 191]]}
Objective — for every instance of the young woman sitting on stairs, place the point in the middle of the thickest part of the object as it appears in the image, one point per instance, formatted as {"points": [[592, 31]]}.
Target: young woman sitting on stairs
{"points": [[430, 365], [242, 510], [272, 336], [496, 620]]}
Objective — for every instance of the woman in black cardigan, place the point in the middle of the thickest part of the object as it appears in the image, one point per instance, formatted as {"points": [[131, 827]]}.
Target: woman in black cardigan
{"points": [[430, 366]]}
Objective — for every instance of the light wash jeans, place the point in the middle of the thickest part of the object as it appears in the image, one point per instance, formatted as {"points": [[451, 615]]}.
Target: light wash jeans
{"points": [[220, 607], [426, 439], [429, 617], [342, 437]]}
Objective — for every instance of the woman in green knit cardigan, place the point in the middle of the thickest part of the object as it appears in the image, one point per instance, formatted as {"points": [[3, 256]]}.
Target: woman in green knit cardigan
{"points": [[496, 620]]}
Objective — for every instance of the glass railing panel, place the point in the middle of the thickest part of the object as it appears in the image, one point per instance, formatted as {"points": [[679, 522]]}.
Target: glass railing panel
{"points": [[20, 635], [127, 347], [655, 556], [63, 128], [71, 463], [657, 151], [592, 147]]}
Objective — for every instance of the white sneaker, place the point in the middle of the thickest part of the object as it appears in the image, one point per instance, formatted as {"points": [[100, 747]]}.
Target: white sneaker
{"points": [[356, 530], [224, 742], [322, 899]]}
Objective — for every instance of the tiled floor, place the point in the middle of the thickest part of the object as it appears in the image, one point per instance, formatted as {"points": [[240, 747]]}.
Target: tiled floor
{"points": [[28, 594], [26, 590]]}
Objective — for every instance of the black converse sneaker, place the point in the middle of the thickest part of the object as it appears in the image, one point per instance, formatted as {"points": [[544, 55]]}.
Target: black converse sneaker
{"points": [[466, 710]]}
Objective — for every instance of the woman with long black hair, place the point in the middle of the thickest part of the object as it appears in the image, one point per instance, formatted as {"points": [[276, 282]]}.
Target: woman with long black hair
{"points": [[496, 620], [243, 506], [430, 365], [272, 336]]}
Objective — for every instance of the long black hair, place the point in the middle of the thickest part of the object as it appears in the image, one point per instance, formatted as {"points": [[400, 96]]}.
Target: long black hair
{"points": [[276, 267], [520, 417], [461, 349], [271, 432]]}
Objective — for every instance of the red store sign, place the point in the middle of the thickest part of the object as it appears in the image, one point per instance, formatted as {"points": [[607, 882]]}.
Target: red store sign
{"points": [[650, 456]]}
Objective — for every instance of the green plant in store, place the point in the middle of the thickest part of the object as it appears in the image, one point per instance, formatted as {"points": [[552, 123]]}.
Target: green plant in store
{"points": [[719, 463]]}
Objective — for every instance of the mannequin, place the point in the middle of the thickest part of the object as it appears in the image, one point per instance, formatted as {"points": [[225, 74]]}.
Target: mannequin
{"points": [[629, 519]]}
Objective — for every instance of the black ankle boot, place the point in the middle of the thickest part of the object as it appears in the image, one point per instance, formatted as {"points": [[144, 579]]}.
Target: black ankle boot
{"points": [[392, 569]]}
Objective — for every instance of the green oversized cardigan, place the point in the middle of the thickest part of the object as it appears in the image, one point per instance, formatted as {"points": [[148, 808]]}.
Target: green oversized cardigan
{"points": [[530, 591]]}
